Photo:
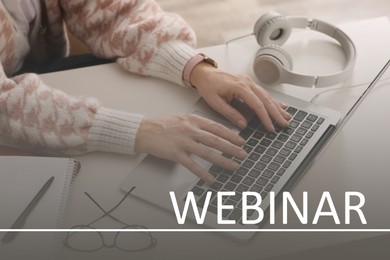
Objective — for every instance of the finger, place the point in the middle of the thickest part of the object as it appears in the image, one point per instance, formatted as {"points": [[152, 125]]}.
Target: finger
{"points": [[273, 108], [222, 145], [212, 156], [282, 108], [225, 109], [257, 106], [220, 130], [193, 167]]}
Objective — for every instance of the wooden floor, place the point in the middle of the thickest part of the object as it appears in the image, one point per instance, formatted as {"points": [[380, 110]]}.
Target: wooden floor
{"points": [[216, 21]]}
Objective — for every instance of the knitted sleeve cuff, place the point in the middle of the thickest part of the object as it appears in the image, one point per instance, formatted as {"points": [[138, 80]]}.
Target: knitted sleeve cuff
{"points": [[169, 61], [113, 131]]}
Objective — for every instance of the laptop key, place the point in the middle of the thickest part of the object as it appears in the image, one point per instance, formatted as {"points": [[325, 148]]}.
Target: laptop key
{"points": [[296, 138], [285, 152], [197, 191], [291, 110], [301, 131], [300, 115], [200, 183], [254, 173], [304, 141], [310, 134], [271, 151], [287, 164], [248, 149], [271, 136], [246, 133], [236, 197], [290, 145], [293, 156], [216, 186], [248, 181], [256, 188], [277, 144], [260, 149], [252, 142], [262, 181], [236, 178], [268, 174], [288, 131], [315, 127], [298, 149], [242, 171], [269, 187], [230, 186], [248, 163], [320, 120], [275, 179], [266, 158], [260, 166], [281, 171], [242, 187], [307, 124], [265, 142], [293, 124], [312, 117], [223, 178], [254, 156], [279, 159], [273, 166], [283, 138], [258, 135]]}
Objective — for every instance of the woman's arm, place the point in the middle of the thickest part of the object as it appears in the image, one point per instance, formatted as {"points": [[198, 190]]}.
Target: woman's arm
{"points": [[144, 39], [36, 116]]}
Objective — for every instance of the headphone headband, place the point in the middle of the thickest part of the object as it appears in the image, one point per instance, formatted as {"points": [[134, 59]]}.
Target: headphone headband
{"points": [[274, 29]]}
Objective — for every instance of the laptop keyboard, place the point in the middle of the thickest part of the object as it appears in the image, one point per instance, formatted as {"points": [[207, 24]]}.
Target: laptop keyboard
{"points": [[269, 156]]}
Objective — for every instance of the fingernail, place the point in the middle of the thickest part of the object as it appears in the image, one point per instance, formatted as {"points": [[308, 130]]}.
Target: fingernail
{"points": [[241, 124], [242, 154], [289, 116], [241, 140], [235, 165], [210, 180]]}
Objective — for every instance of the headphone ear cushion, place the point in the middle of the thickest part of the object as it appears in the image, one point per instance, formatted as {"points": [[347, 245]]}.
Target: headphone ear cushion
{"points": [[272, 28], [270, 64]]}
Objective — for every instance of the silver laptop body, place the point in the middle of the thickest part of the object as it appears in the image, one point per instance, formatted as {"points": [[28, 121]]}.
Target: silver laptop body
{"points": [[276, 172]]}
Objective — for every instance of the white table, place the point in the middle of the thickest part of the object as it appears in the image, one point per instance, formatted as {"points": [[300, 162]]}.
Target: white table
{"points": [[102, 173]]}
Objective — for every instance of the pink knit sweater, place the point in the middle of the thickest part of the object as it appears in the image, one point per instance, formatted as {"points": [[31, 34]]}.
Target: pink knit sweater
{"points": [[143, 38]]}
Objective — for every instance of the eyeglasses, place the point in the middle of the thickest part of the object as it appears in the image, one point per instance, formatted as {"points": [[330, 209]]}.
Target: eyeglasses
{"points": [[125, 241]]}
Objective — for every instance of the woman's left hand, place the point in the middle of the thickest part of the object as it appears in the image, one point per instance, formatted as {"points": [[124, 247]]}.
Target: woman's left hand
{"points": [[219, 88]]}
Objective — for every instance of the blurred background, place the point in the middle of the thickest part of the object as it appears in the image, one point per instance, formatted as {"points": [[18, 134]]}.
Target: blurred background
{"points": [[216, 21]]}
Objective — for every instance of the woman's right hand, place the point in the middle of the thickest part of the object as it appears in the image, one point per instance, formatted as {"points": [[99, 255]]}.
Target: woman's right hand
{"points": [[175, 138]]}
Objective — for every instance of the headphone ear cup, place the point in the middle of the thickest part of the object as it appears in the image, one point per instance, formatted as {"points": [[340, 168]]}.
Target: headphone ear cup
{"points": [[272, 29], [270, 65]]}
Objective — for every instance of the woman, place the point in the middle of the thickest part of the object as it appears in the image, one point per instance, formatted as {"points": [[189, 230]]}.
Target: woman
{"points": [[143, 40]]}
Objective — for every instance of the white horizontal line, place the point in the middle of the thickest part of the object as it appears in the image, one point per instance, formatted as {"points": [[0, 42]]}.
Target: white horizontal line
{"points": [[199, 230]]}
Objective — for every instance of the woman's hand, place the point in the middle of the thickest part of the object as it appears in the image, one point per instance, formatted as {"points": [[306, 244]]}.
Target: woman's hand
{"points": [[177, 137], [219, 88]]}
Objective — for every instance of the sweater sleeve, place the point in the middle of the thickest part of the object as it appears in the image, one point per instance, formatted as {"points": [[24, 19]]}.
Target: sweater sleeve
{"points": [[144, 39], [36, 116]]}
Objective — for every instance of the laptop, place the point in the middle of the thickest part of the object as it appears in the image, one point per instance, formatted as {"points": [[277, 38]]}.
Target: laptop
{"points": [[275, 163]]}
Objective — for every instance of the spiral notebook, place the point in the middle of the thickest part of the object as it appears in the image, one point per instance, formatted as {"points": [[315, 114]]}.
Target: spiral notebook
{"points": [[20, 179]]}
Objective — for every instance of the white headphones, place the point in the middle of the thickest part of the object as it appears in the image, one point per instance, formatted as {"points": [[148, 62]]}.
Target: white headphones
{"points": [[272, 65]]}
